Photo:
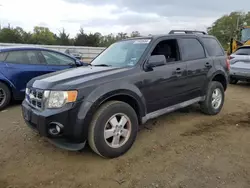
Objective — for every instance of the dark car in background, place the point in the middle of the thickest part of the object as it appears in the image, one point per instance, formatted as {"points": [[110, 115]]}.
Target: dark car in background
{"points": [[73, 52], [18, 65]]}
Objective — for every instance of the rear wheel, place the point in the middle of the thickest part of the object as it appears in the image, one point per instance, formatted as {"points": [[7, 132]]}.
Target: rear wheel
{"points": [[113, 129], [214, 99], [5, 96]]}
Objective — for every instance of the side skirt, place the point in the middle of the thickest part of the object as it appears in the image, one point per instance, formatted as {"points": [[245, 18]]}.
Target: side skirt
{"points": [[169, 109]]}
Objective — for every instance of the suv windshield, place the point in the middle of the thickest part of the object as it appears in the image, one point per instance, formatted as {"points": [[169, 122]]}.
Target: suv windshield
{"points": [[122, 54]]}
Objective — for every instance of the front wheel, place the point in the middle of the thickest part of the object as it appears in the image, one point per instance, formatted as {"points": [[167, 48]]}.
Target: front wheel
{"points": [[113, 129], [5, 96], [214, 99]]}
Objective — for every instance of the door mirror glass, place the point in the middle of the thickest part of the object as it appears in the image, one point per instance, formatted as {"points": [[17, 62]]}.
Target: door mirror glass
{"points": [[156, 60]]}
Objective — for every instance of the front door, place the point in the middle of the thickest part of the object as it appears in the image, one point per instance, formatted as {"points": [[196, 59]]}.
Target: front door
{"points": [[165, 85], [56, 61]]}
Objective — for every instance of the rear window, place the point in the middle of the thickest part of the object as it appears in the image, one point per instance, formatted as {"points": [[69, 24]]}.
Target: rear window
{"points": [[213, 47], [3, 56], [242, 51]]}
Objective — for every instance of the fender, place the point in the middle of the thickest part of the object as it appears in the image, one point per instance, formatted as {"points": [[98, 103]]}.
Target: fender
{"points": [[109, 90], [8, 82]]}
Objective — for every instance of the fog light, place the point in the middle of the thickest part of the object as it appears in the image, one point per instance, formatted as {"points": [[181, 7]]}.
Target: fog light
{"points": [[55, 129]]}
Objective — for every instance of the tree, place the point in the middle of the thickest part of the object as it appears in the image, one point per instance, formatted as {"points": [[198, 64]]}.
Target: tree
{"points": [[11, 35], [225, 27], [135, 34], [81, 38], [42, 35], [63, 38]]}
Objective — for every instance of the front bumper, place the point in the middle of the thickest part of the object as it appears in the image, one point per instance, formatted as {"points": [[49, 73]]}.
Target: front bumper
{"points": [[73, 134]]}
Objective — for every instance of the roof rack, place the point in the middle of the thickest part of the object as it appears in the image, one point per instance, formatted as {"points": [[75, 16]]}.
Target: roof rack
{"points": [[187, 32]]}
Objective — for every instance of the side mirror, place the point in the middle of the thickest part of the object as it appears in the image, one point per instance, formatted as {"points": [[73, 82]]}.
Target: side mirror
{"points": [[78, 63], [155, 61]]}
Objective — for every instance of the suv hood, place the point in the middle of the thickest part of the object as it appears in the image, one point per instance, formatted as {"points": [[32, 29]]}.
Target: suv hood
{"points": [[71, 77]]}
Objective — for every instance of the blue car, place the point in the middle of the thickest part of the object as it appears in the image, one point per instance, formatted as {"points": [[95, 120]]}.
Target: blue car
{"points": [[18, 65]]}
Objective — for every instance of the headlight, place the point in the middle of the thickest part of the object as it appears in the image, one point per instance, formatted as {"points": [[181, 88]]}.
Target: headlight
{"points": [[56, 99]]}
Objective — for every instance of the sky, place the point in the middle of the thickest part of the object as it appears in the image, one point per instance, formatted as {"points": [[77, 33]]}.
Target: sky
{"points": [[113, 16]]}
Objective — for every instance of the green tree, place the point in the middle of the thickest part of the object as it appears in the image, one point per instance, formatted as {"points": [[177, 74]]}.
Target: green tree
{"points": [[135, 34], [225, 27], [10, 35], [81, 38], [42, 35], [63, 38]]}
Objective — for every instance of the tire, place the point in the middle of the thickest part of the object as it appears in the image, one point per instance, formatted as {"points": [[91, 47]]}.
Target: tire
{"points": [[5, 92], [233, 81], [207, 106], [96, 138]]}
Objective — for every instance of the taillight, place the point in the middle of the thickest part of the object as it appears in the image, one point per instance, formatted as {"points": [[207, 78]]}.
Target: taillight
{"points": [[228, 64], [231, 57]]}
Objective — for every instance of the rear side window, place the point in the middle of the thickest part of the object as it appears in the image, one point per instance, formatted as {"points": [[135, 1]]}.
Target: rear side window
{"points": [[242, 51], [191, 49], [3, 56], [22, 57], [213, 47]]}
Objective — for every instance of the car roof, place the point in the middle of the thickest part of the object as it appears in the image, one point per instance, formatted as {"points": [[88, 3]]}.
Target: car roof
{"points": [[155, 37], [14, 48]]}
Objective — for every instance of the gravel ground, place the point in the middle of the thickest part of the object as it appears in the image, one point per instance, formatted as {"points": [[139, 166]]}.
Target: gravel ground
{"points": [[184, 149]]}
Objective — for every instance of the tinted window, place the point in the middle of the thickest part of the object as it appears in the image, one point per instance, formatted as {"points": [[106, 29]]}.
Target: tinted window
{"points": [[242, 51], [53, 58], [17, 57], [191, 49], [22, 57], [3, 56], [213, 47]]}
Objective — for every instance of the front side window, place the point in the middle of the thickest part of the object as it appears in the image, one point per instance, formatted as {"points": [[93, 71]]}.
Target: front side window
{"points": [[122, 54], [191, 49], [53, 58]]}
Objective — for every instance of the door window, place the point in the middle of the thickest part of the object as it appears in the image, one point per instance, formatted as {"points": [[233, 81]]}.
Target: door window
{"points": [[191, 49], [19, 57], [168, 48], [22, 57], [53, 58]]}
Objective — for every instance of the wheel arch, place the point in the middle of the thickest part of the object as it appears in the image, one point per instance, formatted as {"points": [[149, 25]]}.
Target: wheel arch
{"points": [[220, 77]]}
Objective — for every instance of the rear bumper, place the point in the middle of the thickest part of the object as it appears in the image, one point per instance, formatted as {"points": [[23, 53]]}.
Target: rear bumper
{"points": [[239, 73], [73, 134]]}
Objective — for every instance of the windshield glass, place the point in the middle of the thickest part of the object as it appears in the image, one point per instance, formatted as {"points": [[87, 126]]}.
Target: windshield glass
{"points": [[122, 54], [245, 34]]}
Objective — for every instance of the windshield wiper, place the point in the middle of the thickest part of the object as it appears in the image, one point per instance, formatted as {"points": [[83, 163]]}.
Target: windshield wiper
{"points": [[102, 65]]}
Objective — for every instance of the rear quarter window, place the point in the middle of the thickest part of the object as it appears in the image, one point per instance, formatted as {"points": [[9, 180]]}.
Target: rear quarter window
{"points": [[213, 47], [3, 56]]}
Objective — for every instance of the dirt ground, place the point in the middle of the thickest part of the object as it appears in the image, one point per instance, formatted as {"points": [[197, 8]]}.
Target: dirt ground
{"points": [[184, 149]]}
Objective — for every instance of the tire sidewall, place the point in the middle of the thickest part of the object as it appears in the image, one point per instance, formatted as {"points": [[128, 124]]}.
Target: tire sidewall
{"points": [[215, 85], [102, 147], [8, 95]]}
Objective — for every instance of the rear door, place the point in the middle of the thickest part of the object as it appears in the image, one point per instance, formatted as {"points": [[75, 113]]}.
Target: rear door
{"points": [[22, 66], [56, 61], [198, 65]]}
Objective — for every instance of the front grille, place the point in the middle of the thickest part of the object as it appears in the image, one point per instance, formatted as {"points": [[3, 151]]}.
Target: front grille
{"points": [[35, 98]]}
